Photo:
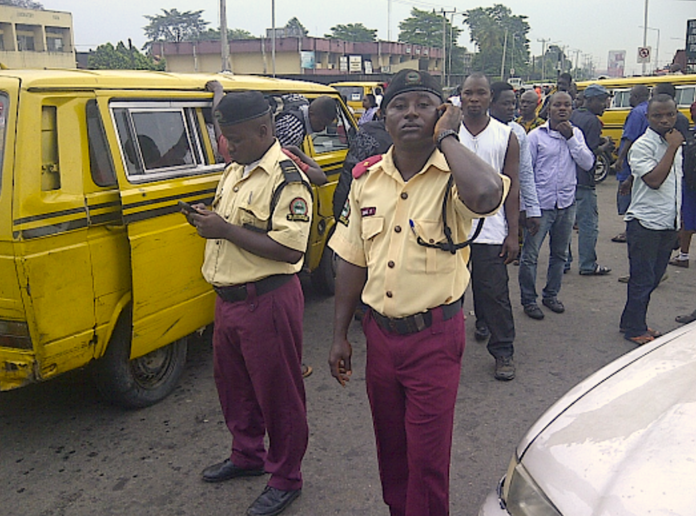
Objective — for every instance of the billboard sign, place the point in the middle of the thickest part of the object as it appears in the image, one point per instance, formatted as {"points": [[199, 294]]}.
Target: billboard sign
{"points": [[616, 63]]}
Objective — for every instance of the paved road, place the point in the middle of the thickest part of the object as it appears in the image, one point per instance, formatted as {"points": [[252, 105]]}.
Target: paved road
{"points": [[65, 452]]}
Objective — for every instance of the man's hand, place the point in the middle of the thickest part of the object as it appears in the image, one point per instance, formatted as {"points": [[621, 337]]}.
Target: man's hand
{"points": [[625, 186], [566, 129], [511, 248], [214, 86], [339, 361], [450, 118], [209, 224], [674, 138], [532, 224]]}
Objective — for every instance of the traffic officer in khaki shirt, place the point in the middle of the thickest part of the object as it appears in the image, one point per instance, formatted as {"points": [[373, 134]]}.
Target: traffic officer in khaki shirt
{"points": [[252, 264], [395, 250]]}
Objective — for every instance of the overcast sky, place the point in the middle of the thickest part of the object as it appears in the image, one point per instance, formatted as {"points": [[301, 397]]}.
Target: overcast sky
{"points": [[591, 26]]}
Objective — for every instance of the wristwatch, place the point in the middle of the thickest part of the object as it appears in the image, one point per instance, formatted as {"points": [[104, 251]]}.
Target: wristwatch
{"points": [[445, 134]]}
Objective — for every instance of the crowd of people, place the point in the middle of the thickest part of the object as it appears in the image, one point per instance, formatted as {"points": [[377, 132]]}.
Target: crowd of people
{"points": [[431, 196]]}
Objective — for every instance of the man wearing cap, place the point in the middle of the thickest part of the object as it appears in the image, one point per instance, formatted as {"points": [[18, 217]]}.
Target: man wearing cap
{"points": [[587, 120], [402, 239], [253, 252]]}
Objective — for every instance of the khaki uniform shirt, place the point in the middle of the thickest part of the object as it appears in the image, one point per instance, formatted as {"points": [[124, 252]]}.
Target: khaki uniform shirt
{"points": [[374, 231], [246, 201]]}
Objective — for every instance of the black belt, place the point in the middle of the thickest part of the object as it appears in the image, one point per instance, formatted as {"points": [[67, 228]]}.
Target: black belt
{"points": [[239, 292], [417, 322]]}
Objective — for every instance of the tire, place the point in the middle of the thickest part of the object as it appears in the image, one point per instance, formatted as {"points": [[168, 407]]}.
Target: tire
{"points": [[324, 277], [601, 170], [143, 381]]}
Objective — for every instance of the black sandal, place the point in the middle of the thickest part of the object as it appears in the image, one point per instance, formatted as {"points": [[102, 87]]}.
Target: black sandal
{"points": [[686, 319]]}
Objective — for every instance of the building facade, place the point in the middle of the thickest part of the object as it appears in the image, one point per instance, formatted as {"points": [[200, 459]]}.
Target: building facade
{"points": [[322, 59], [36, 39]]}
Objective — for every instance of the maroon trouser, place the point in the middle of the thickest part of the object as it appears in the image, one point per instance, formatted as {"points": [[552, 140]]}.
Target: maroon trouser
{"points": [[412, 383], [257, 347]]}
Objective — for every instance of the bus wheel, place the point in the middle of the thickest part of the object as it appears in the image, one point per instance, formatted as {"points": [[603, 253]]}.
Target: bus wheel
{"points": [[143, 381], [324, 277]]}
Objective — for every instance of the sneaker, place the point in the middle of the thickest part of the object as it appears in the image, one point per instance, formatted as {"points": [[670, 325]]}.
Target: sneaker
{"points": [[553, 304], [623, 279], [533, 311], [504, 368], [677, 262]]}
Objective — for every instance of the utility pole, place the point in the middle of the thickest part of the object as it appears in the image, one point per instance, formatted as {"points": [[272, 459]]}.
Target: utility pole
{"points": [[543, 57], [224, 45], [502, 65], [273, 37], [645, 30], [445, 81], [389, 4]]}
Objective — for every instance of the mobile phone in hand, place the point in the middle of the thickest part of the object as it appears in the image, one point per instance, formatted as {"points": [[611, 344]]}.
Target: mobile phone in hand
{"points": [[186, 207]]}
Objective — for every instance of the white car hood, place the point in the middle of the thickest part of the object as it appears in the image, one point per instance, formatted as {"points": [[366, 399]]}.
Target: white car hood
{"points": [[627, 446]]}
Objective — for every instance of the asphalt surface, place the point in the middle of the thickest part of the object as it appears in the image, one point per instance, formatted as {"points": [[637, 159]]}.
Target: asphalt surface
{"points": [[65, 452]]}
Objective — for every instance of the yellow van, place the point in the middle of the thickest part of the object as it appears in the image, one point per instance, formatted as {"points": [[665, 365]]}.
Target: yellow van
{"points": [[620, 90], [97, 265], [354, 93]]}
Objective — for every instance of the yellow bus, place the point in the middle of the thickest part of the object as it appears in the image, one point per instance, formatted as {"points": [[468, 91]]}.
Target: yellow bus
{"points": [[620, 89], [97, 264], [354, 93]]}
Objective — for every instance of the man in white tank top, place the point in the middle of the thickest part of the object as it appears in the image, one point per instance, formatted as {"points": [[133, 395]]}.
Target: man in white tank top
{"points": [[497, 245]]}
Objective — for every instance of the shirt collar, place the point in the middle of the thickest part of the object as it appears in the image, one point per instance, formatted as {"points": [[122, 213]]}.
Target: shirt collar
{"points": [[268, 161], [436, 160]]}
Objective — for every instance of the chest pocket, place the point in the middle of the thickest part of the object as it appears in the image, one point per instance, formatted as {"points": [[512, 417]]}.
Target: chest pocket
{"points": [[371, 229], [254, 216], [432, 260]]}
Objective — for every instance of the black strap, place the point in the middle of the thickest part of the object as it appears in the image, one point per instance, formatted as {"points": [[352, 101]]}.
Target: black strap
{"points": [[290, 175], [449, 244]]}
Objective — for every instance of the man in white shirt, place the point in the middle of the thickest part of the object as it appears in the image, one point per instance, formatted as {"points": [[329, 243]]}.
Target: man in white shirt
{"points": [[497, 245], [653, 215]]}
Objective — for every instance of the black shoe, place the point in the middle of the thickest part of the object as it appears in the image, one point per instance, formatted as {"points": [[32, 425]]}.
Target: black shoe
{"points": [[272, 501], [226, 470], [553, 304], [504, 368], [533, 311], [482, 333]]}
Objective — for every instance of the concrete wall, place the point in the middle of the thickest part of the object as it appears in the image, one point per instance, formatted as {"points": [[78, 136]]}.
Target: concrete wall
{"points": [[14, 21]]}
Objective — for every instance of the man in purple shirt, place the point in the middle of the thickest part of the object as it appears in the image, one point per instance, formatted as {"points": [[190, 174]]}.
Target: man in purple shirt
{"points": [[556, 148]]}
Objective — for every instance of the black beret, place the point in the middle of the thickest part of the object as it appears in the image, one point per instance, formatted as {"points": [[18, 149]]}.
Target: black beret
{"points": [[241, 106], [410, 80]]}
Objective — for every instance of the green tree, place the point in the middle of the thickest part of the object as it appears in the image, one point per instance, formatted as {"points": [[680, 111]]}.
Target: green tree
{"points": [[108, 57], [214, 34], [174, 26], [25, 4], [495, 28], [352, 32], [295, 28], [425, 28]]}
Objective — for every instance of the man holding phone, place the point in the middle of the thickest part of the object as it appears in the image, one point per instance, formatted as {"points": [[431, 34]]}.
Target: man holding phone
{"points": [[408, 262], [253, 252]]}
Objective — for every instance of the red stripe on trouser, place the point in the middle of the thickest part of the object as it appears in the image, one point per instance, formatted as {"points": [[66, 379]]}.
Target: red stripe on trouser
{"points": [[257, 347], [412, 383]]}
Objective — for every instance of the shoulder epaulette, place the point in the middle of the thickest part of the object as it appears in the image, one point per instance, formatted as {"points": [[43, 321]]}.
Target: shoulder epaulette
{"points": [[361, 168]]}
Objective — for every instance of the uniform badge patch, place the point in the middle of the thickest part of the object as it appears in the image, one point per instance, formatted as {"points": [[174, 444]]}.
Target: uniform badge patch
{"points": [[344, 218], [298, 210], [367, 212]]}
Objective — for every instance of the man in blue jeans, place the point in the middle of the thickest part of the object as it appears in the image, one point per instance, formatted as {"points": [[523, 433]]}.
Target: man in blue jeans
{"points": [[653, 215], [587, 215], [556, 148]]}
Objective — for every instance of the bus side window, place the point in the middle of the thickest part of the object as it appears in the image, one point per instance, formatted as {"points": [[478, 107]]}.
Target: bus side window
{"points": [[101, 166], [50, 173]]}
